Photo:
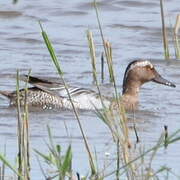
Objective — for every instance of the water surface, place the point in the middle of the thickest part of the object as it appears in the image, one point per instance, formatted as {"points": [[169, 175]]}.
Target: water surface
{"points": [[134, 29]]}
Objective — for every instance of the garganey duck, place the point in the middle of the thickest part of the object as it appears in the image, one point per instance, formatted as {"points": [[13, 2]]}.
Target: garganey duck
{"points": [[48, 95]]}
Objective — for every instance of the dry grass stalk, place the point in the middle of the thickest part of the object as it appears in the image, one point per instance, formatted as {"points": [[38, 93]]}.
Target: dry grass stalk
{"points": [[118, 125], [92, 52], [23, 136], [106, 46], [60, 72], [176, 38], [109, 60], [102, 67], [164, 32]]}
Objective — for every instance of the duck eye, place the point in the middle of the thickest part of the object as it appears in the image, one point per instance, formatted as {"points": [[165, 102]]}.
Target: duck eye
{"points": [[149, 67]]}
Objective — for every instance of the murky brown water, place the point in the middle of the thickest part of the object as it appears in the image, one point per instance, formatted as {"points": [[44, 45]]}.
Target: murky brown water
{"points": [[133, 27]]}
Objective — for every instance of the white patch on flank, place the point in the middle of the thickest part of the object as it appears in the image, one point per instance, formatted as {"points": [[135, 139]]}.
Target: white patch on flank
{"points": [[86, 101], [82, 98]]}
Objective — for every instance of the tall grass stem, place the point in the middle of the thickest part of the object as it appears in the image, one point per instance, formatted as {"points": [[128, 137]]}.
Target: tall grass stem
{"points": [[57, 65], [164, 32], [106, 50], [102, 67], [176, 37], [23, 134], [92, 52]]}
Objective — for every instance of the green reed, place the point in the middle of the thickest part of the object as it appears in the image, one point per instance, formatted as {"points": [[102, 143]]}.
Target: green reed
{"points": [[7, 163], [3, 166], [15, 1], [117, 124], [108, 53], [22, 170], [23, 133], [92, 52], [176, 38], [57, 65], [126, 164], [106, 45], [160, 143], [108, 48], [102, 67], [55, 158], [133, 165], [164, 32], [104, 114]]}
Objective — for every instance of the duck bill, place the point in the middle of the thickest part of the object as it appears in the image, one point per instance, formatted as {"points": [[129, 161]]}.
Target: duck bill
{"points": [[161, 80]]}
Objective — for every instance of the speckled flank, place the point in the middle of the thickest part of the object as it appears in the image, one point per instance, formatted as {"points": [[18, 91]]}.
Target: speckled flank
{"points": [[45, 100], [39, 98]]}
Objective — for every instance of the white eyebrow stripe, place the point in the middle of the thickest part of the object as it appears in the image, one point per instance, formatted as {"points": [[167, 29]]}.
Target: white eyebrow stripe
{"points": [[137, 63], [140, 64]]}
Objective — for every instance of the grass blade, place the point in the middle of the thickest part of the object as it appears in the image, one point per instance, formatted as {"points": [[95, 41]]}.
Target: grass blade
{"points": [[67, 161], [57, 65], [164, 32]]}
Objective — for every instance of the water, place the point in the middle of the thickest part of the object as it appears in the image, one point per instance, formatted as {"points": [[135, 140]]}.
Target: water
{"points": [[134, 29]]}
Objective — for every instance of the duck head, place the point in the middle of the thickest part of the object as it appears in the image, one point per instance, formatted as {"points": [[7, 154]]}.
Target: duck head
{"points": [[139, 72]]}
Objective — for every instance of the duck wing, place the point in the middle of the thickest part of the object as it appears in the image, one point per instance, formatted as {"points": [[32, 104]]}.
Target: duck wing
{"points": [[57, 88], [40, 82]]}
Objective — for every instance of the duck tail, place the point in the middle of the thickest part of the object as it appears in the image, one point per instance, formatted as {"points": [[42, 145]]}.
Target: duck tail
{"points": [[7, 94]]}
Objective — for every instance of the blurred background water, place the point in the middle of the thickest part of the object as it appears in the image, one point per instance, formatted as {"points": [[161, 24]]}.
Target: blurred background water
{"points": [[134, 29]]}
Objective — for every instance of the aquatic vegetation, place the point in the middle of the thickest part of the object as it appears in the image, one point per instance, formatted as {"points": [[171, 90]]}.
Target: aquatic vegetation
{"points": [[55, 158], [176, 37], [127, 162], [164, 32], [15, 1], [165, 37], [92, 52], [107, 47], [22, 169], [56, 63], [23, 135], [131, 165]]}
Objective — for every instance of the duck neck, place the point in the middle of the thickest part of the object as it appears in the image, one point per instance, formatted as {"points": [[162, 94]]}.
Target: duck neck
{"points": [[131, 88]]}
